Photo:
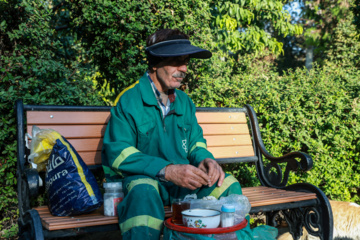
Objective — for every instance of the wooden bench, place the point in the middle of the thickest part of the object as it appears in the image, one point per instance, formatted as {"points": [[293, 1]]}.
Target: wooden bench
{"points": [[232, 135]]}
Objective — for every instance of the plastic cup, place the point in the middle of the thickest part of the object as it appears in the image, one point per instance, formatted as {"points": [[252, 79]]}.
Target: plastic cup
{"points": [[177, 206]]}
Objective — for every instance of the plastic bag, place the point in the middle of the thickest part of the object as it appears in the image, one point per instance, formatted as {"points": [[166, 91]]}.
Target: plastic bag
{"points": [[70, 185], [41, 146], [240, 202]]}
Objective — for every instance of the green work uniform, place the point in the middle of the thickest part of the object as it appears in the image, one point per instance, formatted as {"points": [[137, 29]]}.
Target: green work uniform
{"points": [[139, 142]]}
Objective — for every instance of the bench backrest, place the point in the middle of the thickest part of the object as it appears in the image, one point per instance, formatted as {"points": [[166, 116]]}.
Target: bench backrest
{"points": [[226, 130]]}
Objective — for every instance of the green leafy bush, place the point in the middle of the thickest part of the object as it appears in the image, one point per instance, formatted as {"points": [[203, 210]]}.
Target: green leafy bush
{"points": [[317, 112], [356, 11], [113, 33], [31, 69]]}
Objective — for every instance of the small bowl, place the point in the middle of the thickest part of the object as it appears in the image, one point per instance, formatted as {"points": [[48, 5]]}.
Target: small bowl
{"points": [[201, 218]]}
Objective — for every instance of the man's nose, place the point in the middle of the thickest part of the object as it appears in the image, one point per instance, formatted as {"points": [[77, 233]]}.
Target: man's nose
{"points": [[183, 68]]}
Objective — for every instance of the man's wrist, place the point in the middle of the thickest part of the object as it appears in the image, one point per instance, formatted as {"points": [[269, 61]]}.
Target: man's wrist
{"points": [[161, 175]]}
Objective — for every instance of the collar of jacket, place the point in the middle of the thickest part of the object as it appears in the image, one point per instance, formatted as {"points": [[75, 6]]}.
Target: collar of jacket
{"points": [[149, 98]]}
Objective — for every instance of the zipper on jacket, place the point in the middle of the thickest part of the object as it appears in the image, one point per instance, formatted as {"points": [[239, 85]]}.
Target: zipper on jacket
{"points": [[169, 113], [164, 123]]}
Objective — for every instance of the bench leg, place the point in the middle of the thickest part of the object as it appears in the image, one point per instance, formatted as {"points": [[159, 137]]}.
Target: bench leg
{"points": [[295, 220], [317, 220], [30, 226], [293, 217], [23, 194]]}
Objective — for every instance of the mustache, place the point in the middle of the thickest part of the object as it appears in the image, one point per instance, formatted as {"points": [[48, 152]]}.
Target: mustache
{"points": [[179, 75]]}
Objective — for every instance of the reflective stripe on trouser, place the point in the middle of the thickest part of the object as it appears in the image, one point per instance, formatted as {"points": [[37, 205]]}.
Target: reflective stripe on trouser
{"points": [[141, 213], [230, 186], [227, 188]]}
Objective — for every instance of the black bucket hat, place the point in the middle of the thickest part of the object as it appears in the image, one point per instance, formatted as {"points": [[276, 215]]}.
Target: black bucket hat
{"points": [[175, 48]]}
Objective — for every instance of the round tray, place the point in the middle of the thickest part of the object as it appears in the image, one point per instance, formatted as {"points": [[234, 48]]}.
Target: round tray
{"points": [[182, 228]]}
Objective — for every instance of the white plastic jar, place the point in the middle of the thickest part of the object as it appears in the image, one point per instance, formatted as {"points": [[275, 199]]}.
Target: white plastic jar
{"points": [[227, 215], [112, 197]]}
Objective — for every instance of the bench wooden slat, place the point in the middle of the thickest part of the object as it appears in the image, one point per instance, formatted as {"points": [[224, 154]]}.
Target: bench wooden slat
{"points": [[71, 118], [79, 218], [220, 117], [260, 192], [91, 158], [227, 140], [75, 131], [45, 213], [104, 221], [232, 152], [97, 131], [87, 144], [258, 196], [94, 157], [95, 144], [254, 189], [264, 202], [224, 129], [66, 117]]}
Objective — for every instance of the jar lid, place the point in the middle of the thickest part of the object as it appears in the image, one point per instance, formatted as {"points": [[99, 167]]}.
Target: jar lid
{"points": [[227, 208], [114, 185]]}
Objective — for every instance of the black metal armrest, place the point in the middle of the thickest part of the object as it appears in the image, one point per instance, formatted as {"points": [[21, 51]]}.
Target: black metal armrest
{"points": [[267, 176], [304, 164], [31, 176]]}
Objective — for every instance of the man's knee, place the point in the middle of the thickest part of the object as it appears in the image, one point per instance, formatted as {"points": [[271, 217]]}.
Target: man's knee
{"points": [[230, 186], [141, 186], [141, 197]]}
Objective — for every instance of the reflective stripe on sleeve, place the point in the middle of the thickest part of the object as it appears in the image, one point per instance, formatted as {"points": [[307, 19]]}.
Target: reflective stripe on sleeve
{"points": [[226, 184], [139, 181], [123, 155], [198, 144], [122, 92], [142, 220]]}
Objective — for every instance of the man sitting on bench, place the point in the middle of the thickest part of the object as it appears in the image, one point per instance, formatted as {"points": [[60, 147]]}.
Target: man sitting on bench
{"points": [[154, 144]]}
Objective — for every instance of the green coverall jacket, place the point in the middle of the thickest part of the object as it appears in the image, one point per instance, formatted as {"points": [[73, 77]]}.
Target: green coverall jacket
{"points": [[139, 141]]}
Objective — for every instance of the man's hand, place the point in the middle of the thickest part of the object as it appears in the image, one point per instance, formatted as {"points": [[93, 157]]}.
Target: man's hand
{"points": [[213, 170], [187, 176]]}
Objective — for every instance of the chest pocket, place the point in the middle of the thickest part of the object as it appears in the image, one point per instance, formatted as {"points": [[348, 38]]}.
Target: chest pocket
{"points": [[145, 136], [185, 132]]}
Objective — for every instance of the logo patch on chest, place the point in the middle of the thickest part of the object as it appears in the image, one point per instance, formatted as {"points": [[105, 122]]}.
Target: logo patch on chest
{"points": [[184, 145]]}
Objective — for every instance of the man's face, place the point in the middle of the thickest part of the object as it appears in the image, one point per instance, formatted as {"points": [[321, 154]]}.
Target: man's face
{"points": [[170, 73]]}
